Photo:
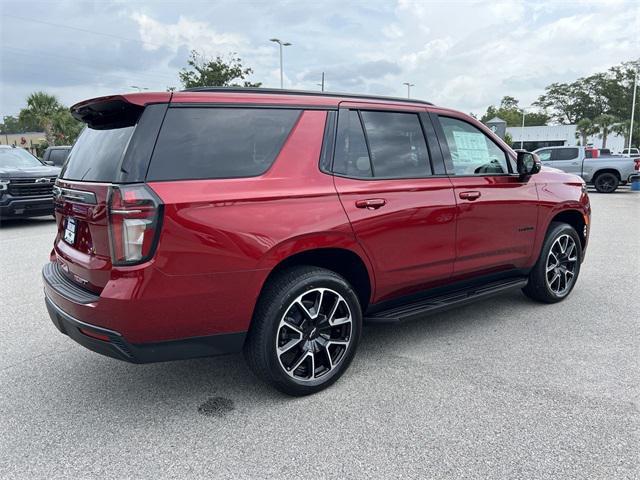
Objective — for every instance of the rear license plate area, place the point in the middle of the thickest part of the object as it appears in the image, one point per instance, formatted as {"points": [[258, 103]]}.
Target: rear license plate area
{"points": [[70, 230]]}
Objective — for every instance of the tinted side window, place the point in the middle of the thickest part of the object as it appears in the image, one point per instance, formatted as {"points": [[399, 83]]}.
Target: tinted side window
{"points": [[472, 151], [397, 144], [564, 154], [351, 155], [545, 155], [197, 143]]}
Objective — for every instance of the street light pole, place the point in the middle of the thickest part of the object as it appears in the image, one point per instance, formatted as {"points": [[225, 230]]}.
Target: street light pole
{"points": [[633, 110], [281, 44], [409, 85], [321, 84], [522, 130]]}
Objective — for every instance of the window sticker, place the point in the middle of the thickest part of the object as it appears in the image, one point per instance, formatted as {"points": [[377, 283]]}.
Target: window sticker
{"points": [[471, 147]]}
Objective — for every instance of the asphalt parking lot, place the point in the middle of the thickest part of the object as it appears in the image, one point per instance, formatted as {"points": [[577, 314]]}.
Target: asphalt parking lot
{"points": [[501, 389]]}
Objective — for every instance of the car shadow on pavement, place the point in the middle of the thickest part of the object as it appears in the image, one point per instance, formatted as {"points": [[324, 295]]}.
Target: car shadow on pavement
{"points": [[30, 222], [192, 382]]}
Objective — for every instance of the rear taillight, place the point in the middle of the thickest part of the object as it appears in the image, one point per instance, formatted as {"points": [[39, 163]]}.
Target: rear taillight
{"points": [[636, 164], [134, 223]]}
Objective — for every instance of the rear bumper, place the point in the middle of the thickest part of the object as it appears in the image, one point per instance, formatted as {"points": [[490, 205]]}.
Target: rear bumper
{"points": [[113, 344], [16, 207]]}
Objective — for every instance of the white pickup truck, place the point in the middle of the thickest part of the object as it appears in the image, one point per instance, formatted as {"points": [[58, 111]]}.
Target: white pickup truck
{"points": [[606, 172]]}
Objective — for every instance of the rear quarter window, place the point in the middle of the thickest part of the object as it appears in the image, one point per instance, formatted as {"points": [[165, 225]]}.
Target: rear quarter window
{"points": [[208, 143]]}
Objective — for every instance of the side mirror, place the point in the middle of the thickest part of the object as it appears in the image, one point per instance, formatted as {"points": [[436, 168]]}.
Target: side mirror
{"points": [[528, 163]]}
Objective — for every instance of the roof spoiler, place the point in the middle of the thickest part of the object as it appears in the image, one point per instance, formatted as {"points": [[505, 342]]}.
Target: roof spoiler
{"points": [[115, 111]]}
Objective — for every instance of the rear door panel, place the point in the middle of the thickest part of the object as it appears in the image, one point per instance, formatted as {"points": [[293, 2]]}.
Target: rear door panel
{"points": [[410, 238]]}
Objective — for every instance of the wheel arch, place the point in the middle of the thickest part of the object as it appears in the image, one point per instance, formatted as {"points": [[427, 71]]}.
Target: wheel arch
{"points": [[341, 260], [606, 170], [576, 219]]}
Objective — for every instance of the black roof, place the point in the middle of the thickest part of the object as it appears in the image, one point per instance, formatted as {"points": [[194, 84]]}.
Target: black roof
{"points": [[282, 91]]}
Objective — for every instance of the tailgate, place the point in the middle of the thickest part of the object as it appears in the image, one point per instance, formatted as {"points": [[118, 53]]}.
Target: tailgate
{"points": [[82, 241]]}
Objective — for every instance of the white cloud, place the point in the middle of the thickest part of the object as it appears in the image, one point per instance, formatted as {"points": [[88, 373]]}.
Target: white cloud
{"points": [[507, 10], [392, 31], [464, 54], [476, 52], [433, 49], [192, 33]]}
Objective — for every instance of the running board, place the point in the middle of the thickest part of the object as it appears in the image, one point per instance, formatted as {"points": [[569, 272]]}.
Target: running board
{"points": [[439, 303]]}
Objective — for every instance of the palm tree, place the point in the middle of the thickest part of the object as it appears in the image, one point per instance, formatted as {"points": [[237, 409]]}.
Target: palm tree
{"points": [[604, 123], [42, 110], [584, 128], [623, 128]]}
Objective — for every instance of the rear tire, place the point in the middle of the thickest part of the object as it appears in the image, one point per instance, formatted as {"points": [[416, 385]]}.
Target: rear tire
{"points": [[305, 330], [555, 273], [606, 182]]}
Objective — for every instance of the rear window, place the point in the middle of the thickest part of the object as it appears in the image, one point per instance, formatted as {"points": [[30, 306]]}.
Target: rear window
{"points": [[58, 156], [200, 143], [97, 154], [564, 154]]}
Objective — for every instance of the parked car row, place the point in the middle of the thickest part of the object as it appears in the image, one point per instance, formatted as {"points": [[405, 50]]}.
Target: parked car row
{"points": [[26, 184], [605, 172]]}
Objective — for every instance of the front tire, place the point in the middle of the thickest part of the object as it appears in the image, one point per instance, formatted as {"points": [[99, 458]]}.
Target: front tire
{"points": [[555, 273], [606, 182], [305, 330]]}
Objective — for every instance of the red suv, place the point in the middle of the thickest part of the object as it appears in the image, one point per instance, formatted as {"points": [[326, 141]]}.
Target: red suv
{"points": [[215, 220]]}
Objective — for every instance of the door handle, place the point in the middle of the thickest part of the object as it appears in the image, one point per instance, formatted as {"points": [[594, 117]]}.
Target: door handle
{"points": [[371, 203], [472, 195]]}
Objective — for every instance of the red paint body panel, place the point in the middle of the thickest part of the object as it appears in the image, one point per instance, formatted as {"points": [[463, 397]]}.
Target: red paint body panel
{"points": [[411, 239], [495, 231], [558, 192], [220, 239]]}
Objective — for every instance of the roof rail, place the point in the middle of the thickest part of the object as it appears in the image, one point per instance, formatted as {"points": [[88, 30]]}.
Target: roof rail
{"points": [[281, 91]]}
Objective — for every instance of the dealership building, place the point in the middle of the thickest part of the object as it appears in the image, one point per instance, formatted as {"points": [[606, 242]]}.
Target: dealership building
{"points": [[532, 138], [559, 135]]}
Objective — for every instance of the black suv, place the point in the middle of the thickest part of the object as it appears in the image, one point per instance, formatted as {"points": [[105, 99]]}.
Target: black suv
{"points": [[26, 184]]}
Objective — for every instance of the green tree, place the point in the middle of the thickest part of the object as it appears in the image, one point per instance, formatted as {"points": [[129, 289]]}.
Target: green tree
{"points": [[10, 124], [623, 128], [215, 72], [560, 99], [41, 110], [620, 89], [605, 93], [508, 139], [604, 123], [584, 129], [44, 111], [66, 128], [510, 112]]}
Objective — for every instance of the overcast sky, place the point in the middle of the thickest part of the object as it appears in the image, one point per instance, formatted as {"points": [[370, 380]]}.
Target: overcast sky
{"points": [[461, 54]]}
